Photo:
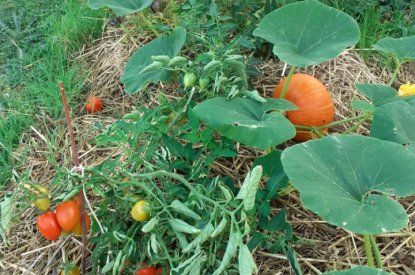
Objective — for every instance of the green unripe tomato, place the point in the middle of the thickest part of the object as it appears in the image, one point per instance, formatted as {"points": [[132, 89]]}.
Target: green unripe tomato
{"points": [[189, 79], [204, 82]]}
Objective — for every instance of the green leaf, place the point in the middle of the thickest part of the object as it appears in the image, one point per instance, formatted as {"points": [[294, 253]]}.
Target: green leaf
{"points": [[6, 216], [164, 45], [226, 193], [246, 121], [246, 261], [150, 224], [394, 122], [221, 226], [403, 49], [186, 262], [249, 187], [120, 7], [182, 226], [321, 34], [347, 180], [362, 105], [154, 243], [230, 252], [200, 239], [357, 270], [181, 208], [377, 93], [292, 258]]}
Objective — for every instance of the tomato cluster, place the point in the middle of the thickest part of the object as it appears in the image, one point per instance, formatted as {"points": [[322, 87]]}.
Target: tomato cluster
{"points": [[65, 220]]}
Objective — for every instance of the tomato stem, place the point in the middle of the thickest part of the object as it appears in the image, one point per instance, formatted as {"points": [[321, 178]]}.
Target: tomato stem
{"points": [[368, 250], [287, 82], [376, 251], [77, 165]]}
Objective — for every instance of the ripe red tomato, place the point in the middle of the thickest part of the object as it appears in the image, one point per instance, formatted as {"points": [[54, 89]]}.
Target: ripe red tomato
{"points": [[48, 226], [159, 271], [77, 199], [77, 230], [94, 104], [68, 215], [146, 271]]}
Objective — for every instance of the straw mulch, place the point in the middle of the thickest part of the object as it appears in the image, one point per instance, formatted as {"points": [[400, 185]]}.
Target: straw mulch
{"points": [[28, 253]]}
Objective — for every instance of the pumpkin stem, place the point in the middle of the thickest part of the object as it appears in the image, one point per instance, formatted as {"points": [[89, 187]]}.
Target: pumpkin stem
{"points": [[368, 250], [395, 73], [376, 251], [287, 81]]}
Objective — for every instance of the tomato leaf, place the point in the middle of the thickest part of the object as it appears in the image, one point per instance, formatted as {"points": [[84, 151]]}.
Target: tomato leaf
{"points": [[246, 261], [150, 224], [120, 7], [6, 216], [321, 35], [249, 188], [246, 121], [133, 77], [181, 208], [182, 226], [359, 270], [347, 180], [230, 251], [221, 226]]}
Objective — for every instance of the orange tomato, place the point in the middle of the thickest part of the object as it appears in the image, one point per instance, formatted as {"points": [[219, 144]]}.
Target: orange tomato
{"points": [[68, 214]]}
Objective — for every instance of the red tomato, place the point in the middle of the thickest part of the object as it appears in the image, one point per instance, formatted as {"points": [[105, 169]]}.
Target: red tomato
{"points": [[159, 271], [77, 199], [94, 104], [48, 226], [146, 271], [68, 214], [77, 230]]}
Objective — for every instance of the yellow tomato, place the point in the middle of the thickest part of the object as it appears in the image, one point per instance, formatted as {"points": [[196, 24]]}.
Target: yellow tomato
{"points": [[42, 203], [74, 271], [141, 211]]}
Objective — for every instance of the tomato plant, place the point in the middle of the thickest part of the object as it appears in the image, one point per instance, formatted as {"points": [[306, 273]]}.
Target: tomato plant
{"points": [[147, 271], [68, 214], [94, 104], [141, 211], [48, 226]]}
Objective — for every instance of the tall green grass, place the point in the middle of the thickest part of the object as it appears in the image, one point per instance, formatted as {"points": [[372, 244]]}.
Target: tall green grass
{"points": [[38, 41]]}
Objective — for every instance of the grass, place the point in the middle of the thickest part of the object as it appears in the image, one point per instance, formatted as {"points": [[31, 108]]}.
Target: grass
{"points": [[39, 41]]}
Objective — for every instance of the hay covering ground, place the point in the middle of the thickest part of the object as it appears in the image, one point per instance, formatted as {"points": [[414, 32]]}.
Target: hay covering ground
{"points": [[29, 253]]}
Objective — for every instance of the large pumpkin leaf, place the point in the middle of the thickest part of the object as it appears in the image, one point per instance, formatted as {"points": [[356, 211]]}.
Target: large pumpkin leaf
{"points": [[347, 180], [308, 33], [359, 270], [120, 7], [403, 49], [246, 121], [395, 122], [377, 93], [134, 78]]}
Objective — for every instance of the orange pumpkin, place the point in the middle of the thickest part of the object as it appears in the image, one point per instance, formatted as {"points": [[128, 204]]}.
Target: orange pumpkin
{"points": [[313, 100]]}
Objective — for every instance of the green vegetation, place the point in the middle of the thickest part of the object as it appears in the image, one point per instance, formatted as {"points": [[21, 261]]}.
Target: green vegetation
{"points": [[38, 41]]}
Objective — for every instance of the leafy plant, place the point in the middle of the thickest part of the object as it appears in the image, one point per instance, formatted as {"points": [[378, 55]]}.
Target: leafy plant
{"points": [[122, 7]]}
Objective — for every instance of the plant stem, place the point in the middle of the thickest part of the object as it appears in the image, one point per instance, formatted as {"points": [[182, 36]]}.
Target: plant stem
{"points": [[179, 116], [354, 127], [287, 81], [395, 73], [368, 250], [172, 5], [376, 251]]}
